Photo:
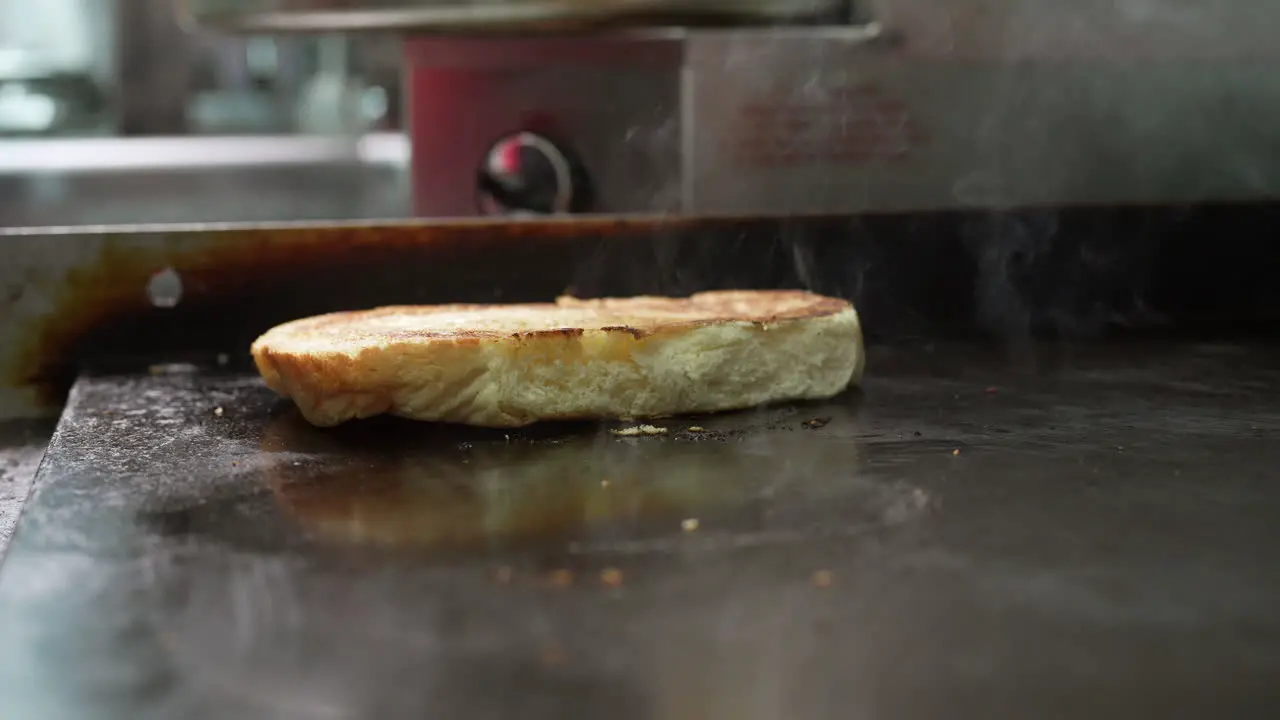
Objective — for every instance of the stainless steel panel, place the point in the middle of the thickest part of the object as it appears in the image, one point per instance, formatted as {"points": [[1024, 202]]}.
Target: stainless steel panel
{"points": [[614, 104], [840, 128], [987, 103], [990, 103], [485, 15]]}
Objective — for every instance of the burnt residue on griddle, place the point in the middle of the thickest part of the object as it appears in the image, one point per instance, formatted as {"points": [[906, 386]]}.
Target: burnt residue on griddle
{"points": [[452, 490], [238, 282], [927, 276]]}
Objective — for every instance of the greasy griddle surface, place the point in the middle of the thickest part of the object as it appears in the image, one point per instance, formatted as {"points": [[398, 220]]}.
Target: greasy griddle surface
{"points": [[977, 534]]}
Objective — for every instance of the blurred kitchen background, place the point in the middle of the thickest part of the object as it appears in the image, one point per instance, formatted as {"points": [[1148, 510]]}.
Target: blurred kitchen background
{"points": [[119, 111]]}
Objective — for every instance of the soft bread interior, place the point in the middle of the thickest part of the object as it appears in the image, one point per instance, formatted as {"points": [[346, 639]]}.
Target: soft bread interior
{"points": [[505, 366]]}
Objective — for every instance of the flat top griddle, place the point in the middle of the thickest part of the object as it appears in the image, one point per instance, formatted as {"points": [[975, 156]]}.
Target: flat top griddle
{"points": [[1065, 532]]}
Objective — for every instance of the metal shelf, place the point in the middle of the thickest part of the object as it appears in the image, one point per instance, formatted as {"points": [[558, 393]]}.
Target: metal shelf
{"points": [[495, 16]]}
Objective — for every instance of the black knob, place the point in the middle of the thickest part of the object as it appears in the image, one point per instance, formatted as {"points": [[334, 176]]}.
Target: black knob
{"points": [[526, 173]]}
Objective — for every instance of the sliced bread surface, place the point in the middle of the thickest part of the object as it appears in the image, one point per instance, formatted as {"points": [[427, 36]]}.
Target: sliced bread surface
{"points": [[614, 358]]}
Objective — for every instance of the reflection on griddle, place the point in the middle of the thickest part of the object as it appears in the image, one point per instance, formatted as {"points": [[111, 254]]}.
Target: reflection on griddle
{"points": [[395, 483]]}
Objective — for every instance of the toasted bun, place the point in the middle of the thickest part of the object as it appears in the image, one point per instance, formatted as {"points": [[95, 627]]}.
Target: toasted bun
{"points": [[512, 365]]}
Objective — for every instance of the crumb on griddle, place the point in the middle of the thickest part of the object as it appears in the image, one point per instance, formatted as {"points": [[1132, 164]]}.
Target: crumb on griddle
{"points": [[956, 451], [171, 369], [689, 525], [611, 577], [560, 578], [217, 412], [697, 429], [638, 430], [552, 655], [823, 578], [816, 423]]}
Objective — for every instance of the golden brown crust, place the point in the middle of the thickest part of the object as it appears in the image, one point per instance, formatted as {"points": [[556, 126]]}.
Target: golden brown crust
{"points": [[644, 315]]}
